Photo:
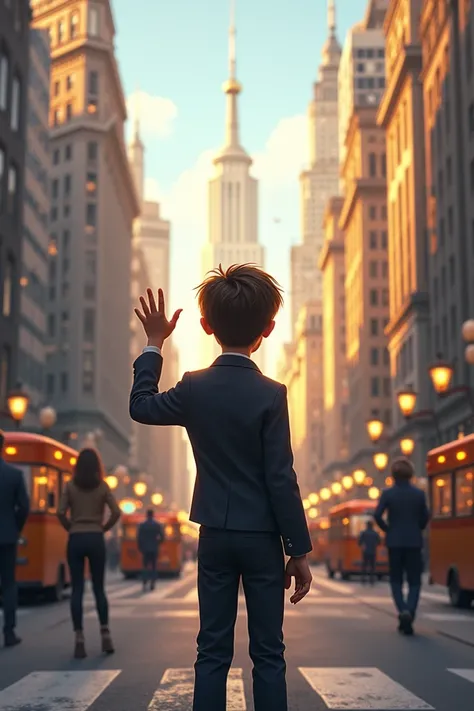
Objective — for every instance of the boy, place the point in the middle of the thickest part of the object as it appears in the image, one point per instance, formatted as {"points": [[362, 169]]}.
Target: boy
{"points": [[246, 496]]}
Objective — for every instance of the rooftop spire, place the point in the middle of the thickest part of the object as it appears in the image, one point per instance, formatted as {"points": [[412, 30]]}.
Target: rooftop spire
{"points": [[232, 88], [332, 17]]}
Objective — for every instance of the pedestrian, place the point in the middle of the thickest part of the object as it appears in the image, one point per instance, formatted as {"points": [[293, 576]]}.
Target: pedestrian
{"points": [[369, 541], [150, 536], [86, 498], [14, 509], [246, 495], [407, 518]]}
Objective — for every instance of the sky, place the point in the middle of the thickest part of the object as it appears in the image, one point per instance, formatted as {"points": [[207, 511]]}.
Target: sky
{"points": [[173, 58]]}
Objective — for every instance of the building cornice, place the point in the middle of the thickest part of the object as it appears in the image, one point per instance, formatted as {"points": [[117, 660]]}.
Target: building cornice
{"points": [[409, 64], [361, 188], [417, 303], [329, 248]]}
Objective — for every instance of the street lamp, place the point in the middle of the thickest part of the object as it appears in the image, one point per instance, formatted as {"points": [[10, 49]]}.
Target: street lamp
{"points": [[380, 460], [441, 374], [112, 481], [407, 402], [140, 488], [359, 476], [373, 493], [313, 499], [325, 494], [336, 487], [127, 506], [313, 513], [306, 504], [468, 330], [157, 499], [375, 429], [407, 445], [18, 402], [47, 417], [347, 482]]}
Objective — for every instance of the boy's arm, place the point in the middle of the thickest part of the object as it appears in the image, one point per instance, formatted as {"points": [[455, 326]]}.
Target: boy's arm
{"points": [[147, 405], [281, 480]]}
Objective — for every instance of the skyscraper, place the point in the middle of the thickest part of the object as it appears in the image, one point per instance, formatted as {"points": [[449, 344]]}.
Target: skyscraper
{"points": [[93, 204], [233, 201], [321, 180]]}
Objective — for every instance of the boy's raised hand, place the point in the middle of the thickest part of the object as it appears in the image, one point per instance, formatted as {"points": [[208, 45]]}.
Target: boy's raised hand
{"points": [[156, 325]]}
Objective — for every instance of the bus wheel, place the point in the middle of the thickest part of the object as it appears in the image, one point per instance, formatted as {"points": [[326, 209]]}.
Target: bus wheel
{"points": [[56, 593], [457, 596]]}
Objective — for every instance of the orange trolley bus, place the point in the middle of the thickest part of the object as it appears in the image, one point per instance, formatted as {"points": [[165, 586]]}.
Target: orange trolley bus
{"points": [[451, 538], [346, 522], [46, 465], [170, 560], [318, 529]]}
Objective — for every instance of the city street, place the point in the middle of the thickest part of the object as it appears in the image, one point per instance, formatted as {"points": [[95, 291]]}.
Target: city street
{"points": [[343, 653]]}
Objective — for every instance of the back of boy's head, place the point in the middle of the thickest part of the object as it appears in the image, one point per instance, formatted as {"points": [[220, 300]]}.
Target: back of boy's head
{"points": [[239, 303]]}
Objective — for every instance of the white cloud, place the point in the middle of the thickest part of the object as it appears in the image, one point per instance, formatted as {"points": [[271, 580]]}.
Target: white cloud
{"points": [[285, 153], [155, 113]]}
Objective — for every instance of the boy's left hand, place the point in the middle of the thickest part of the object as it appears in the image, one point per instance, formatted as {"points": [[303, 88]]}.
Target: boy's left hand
{"points": [[156, 325]]}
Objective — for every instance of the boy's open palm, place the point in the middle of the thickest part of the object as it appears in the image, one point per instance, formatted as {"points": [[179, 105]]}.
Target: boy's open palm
{"points": [[156, 325]]}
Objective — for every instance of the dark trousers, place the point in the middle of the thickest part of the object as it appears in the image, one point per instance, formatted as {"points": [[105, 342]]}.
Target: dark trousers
{"points": [[406, 562], [90, 546], [368, 566], [8, 583], [150, 559], [224, 558]]}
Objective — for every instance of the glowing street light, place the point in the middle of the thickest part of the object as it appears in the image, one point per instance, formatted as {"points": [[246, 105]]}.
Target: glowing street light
{"points": [[325, 494], [140, 488], [313, 513], [127, 506], [18, 402], [407, 402], [336, 487], [112, 481], [381, 460], [359, 476], [407, 445], [347, 482], [375, 429], [441, 374], [157, 499], [373, 493], [306, 504], [313, 499]]}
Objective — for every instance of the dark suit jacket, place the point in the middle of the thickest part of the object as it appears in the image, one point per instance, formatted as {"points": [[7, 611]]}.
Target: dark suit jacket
{"points": [[150, 535], [369, 541], [407, 515], [237, 422], [14, 503]]}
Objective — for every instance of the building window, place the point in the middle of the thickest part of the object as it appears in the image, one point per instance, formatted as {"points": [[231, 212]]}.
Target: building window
{"points": [[2, 173], [383, 164], [385, 269], [373, 268], [373, 240], [92, 151], [92, 106], [93, 83], [56, 117], [3, 82], [56, 157], [74, 25], [372, 212], [53, 214], [374, 297], [12, 190], [64, 383], [70, 79], [374, 387], [374, 356], [56, 88], [89, 325], [51, 325], [87, 372], [384, 239], [386, 357], [93, 21], [471, 118], [50, 384], [91, 214], [15, 108], [55, 189], [387, 387], [91, 183], [8, 281], [372, 165], [374, 327], [383, 212], [67, 184], [61, 32], [68, 152], [5, 365], [385, 298], [69, 111]]}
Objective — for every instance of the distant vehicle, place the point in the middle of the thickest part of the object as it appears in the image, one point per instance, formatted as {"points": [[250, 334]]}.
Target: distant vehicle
{"points": [[46, 465], [170, 561], [450, 471], [346, 523], [319, 530]]}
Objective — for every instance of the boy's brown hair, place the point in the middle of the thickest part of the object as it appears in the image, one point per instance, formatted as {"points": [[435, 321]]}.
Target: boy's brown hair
{"points": [[402, 469], [239, 303]]}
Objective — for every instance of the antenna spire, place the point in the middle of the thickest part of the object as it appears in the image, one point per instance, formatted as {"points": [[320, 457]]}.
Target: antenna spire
{"points": [[332, 17], [232, 50]]}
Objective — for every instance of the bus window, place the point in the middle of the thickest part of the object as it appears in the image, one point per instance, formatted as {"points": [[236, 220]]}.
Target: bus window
{"points": [[359, 524], [45, 488], [442, 496], [172, 532], [26, 470], [464, 491], [130, 532]]}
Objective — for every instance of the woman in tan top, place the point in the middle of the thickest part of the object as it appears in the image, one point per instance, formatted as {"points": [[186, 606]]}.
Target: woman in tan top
{"points": [[86, 498]]}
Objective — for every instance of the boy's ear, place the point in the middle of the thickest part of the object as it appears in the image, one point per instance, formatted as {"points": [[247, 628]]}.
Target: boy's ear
{"points": [[267, 331], [206, 328]]}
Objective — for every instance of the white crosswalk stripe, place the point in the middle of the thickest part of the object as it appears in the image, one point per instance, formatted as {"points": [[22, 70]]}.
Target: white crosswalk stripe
{"points": [[56, 691], [467, 674], [448, 617], [141, 612], [176, 691], [361, 688]]}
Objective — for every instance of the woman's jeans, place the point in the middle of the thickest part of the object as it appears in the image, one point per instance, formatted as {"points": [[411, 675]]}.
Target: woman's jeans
{"points": [[90, 546]]}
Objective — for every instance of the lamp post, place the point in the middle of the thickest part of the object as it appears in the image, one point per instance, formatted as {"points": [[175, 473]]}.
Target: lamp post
{"points": [[407, 445], [406, 400], [441, 374], [18, 402], [359, 476]]}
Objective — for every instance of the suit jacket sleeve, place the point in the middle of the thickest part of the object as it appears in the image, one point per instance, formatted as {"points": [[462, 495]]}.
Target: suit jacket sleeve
{"points": [[147, 405], [281, 479], [22, 503], [425, 514], [379, 512]]}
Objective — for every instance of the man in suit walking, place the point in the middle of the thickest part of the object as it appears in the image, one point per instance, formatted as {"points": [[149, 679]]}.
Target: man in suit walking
{"points": [[14, 508], [369, 541], [407, 518], [246, 495], [150, 535]]}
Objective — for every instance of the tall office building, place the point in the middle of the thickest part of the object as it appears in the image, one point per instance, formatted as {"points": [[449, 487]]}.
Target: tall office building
{"points": [[34, 276], [361, 78], [401, 115], [14, 58], [93, 205], [233, 202], [321, 179]]}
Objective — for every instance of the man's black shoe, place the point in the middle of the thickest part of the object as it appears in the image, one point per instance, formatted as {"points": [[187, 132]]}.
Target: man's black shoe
{"points": [[11, 639], [405, 623]]}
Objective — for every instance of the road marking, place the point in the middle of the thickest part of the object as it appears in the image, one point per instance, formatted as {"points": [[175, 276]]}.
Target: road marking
{"points": [[342, 588], [447, 617], [117, 614], [176, 690], [435, 597], [124, 591], [192, 596], [360, 688], [56, 691], [467, 674]]}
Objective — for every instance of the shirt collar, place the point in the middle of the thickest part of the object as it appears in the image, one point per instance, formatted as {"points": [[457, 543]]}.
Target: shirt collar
{"points": [[241, 355]]}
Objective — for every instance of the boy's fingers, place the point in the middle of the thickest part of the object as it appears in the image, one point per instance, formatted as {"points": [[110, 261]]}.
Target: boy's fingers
{"points": [[151, 299], [161, 301], [175, 318], [145, 308], [140, 315]]}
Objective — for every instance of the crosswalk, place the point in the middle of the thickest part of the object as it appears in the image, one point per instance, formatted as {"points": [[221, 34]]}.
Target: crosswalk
{"points": [[341, 688]]}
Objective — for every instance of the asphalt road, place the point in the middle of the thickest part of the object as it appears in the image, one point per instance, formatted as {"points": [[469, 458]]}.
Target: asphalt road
{"points": [[343, 652]]}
